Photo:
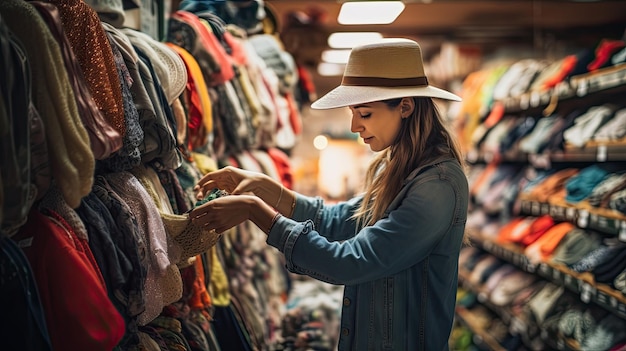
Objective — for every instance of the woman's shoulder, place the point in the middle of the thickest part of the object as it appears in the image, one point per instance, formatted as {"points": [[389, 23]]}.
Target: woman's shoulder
{"points": [[439, 165]]}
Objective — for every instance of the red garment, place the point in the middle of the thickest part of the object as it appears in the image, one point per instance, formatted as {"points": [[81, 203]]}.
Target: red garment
{"points": [[306, 82], [200, 116], [211, 45], [283, 166], [294, 115], [538, 227], [514, 230], [79, 313], [200, 298], [238, 53], [604, 51], [496, 114], [82, 245], [569, 62]]}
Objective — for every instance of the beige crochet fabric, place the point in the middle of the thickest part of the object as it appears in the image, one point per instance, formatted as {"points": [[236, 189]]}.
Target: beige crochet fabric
{"points": [[193, 239]]}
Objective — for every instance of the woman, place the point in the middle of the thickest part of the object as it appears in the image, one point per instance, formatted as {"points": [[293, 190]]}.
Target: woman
{"points": [[395, 247]]}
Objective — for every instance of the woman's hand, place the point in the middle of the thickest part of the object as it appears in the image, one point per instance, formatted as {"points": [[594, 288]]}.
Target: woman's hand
{"points": [[231, 179], [226, 212]]}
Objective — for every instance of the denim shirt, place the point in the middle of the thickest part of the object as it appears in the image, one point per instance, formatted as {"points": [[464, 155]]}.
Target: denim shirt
{"points": [[400, 274]]}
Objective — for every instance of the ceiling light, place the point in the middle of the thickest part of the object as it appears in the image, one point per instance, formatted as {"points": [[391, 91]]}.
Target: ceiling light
{"points": [[336, 56], [320, 142], [369, 12], [348, 40], [330, 69]]}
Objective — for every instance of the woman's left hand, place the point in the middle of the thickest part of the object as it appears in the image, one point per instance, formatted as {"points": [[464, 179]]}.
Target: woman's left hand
{"points": [[224, 212]]}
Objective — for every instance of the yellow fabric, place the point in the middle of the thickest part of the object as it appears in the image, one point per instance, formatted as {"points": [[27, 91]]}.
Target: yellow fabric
{"points": [[218, 285], [477, 99], [150, 181], [200, 85], [204, 163]]}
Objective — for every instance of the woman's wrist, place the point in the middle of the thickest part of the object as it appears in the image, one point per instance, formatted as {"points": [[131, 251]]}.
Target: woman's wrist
{"points": [[276, 195], [263, 215], [274, 219]]}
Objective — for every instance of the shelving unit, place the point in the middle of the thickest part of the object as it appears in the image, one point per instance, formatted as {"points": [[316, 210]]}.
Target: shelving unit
{"points": [[604, 85]]}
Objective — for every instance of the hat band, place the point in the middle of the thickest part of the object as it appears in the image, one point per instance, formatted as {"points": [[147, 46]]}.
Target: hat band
{"points": [[384, 82]]}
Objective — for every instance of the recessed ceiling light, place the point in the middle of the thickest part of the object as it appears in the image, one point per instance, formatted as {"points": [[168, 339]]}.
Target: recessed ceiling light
{"points": [[336, 56], [369, 12], [348, 40], [330, 69]]}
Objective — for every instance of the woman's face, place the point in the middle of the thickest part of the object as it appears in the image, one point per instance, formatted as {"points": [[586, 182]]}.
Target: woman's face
{"points": [[377, 123]]}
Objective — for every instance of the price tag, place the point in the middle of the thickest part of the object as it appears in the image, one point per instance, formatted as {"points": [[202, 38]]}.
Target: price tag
{"points": [[559, 212], [601, 155], [613, 301], [583, 218], [568, 280], [536, 208], [603, 222], [570, 213], [524, 101], [545, 208], [583, 87], [535, 99], [602, 298], [545, 98], [531, 267], [586, 292], [563, 89]]}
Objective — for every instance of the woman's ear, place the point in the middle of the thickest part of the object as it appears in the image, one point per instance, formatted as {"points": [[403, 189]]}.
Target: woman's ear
{"points": [[407, 105]]}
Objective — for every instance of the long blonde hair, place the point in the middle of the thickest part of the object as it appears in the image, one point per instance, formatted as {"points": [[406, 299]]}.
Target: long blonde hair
{"points": [[422, 137]]}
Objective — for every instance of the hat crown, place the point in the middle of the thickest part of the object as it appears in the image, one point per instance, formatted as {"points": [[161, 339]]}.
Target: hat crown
{"points": [[390, 68], [395, 58]]}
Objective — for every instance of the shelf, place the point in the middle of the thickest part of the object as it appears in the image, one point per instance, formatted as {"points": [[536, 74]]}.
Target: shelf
{"points": [[592, 153], [465, 316], [580, 283], [599, 219], [515, 324], [600, 81]]}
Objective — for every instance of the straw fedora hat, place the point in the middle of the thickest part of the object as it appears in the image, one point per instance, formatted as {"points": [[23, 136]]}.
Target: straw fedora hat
{"points": [[386, 69]]}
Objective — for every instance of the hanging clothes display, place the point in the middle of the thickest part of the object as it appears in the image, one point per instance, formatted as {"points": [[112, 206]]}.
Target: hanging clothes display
{"points": [[97, 249]]}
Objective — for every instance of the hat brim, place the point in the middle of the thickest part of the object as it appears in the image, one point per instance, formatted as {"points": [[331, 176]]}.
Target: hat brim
{"points": [[346, 95]]}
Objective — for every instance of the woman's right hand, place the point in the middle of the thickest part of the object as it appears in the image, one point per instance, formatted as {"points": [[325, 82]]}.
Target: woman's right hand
{"points": [[233, 180]]}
